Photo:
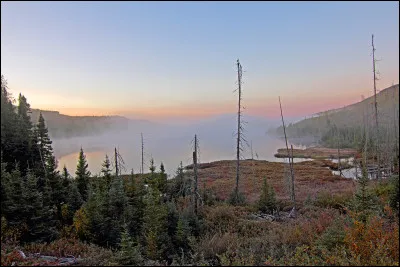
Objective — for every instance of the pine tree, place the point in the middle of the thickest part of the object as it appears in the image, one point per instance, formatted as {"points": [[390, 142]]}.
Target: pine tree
{"points": [[55, 184], [44, 141], [152, 168], [66, 181], [82, 175], [267, 202], [24, 148], [155, 225], [40, 219], [162, 183], [13, 207], [129, 253], [9, 127], [135, 207], [182, 234], [106, 171], [42, 150], [74, 198]]}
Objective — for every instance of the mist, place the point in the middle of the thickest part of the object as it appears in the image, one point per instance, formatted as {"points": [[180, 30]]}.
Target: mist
{"points": [[171, 142]]}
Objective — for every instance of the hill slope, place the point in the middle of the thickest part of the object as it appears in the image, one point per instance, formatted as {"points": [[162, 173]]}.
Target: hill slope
{"points": [[64, 126], [350, 116]]}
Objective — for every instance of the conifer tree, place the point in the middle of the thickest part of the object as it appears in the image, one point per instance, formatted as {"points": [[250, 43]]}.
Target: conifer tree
{"points": [[9, 127], [155, 225], [135, 208], [74, 198], [66, 181], [44, 141], [43, 150], [106, 170], [82, 175], [162, 183], [24, 147], [267, 202], [40, 217], [14, 204], [129, 253], [55, 183]]}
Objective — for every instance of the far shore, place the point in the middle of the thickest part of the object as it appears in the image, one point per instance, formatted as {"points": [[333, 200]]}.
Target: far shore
{"points": [[318, 153]]}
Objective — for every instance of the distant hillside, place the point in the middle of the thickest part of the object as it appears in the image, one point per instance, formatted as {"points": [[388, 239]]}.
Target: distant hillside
{"points": [[350, 116], [64, 126]]}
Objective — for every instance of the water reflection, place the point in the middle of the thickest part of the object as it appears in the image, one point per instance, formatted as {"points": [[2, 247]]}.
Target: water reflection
{"points": [[171, 151]]}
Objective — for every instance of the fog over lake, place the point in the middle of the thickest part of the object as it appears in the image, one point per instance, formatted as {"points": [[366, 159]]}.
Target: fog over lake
{"points": [[171, 143]]}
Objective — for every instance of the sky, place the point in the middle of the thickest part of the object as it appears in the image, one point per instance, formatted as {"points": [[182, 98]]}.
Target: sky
{"points": [[159, 60]]}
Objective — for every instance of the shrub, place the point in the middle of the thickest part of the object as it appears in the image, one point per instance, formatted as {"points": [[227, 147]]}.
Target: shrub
{"points": [[237, 198]]}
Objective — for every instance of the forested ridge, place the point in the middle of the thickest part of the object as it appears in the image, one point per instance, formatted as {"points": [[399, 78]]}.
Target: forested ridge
{"points": [[349, 122], [147, 219], [64, 126]]}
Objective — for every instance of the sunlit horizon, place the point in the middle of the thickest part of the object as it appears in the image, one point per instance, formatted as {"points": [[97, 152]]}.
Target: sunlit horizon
{"points": [[156, 61]]}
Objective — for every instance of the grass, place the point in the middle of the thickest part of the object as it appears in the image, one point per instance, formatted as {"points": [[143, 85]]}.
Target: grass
{"points": [[317, 153], [311, 177]]}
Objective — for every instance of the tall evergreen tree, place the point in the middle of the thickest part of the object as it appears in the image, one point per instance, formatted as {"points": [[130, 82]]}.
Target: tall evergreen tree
{"points": [[135, 209], [40, 221], [128, 253], [9, 127], [66, 180], [82, 175], [55, 184], [162, 183], [24, 147], [42, 150], [155, 225], [106, 170]]}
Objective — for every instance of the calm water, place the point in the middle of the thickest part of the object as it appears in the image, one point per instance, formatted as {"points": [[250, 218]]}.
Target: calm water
{"points": [[170, 150]]}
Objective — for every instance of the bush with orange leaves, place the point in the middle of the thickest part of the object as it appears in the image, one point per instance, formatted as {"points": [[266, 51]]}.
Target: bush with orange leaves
{"points": [[375, 242]]}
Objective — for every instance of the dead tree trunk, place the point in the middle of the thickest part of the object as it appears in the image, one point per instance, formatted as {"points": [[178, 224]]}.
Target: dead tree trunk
{"points": [[287, 150], [116, 162], [142, 170], [376, 111], [338, 151], [239, 72], [293, 193], [195, 174]]}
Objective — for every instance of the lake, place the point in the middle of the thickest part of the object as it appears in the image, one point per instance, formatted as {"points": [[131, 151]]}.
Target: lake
{"points": [[169, 149]]}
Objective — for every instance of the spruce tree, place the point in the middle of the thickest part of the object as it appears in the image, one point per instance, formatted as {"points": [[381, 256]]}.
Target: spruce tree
{"points": [[66, 182], [42, 151], [106, 170], [40, 219], [117, 209], [135, 205], [82, 175], [162, 183], [44, 141], [155, 225], [14, 204], [24, 147], [9, 127], [129, 253], [267, 201]]}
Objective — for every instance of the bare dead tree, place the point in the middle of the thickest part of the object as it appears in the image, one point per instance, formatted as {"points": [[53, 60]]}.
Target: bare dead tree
{"points": [[293, 196], [251, 149], [195, 174], [252, 163], [142, 170], [287, 150], [376, 111], [338, 151], [118, 162], [239, 128]]}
